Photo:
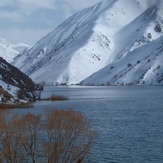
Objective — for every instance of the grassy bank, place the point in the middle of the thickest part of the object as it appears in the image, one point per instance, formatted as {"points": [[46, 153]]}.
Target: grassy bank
{"points": [[55, 98], [21, 105], [30, 104]]}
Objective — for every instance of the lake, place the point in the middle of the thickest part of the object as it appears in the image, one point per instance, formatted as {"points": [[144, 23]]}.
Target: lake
{"points": [[129, 120]]}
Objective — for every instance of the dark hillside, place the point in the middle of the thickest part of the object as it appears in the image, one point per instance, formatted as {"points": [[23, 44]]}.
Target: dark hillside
{"points": [[13, 76]]}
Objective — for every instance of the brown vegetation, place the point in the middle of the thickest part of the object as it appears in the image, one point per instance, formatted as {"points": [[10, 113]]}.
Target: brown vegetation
{"points": [[63, 136], [69, 136], [30, 129], [55, 98], [19, 105]]}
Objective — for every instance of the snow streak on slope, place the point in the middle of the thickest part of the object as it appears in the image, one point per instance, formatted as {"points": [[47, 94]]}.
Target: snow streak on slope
{"points": [[9, 51], [95, 38], [9, 88], [139, 52]]}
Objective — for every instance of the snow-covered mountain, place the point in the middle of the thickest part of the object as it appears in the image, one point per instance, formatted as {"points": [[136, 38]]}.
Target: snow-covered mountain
{"points": [[9, 51], [12, 80], [118, 41]]}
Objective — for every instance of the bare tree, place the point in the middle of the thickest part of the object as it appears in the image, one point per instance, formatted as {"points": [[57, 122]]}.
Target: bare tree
{"points": [[62, 137], [11, 149], [69, 136], [30, 128]]}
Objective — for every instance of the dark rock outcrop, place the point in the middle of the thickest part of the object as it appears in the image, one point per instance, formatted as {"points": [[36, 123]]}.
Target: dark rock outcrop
{"points": [[13, 76]]}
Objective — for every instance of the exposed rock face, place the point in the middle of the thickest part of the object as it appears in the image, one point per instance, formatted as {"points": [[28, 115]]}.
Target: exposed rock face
{"points": [[12, 76], [5, 96]]}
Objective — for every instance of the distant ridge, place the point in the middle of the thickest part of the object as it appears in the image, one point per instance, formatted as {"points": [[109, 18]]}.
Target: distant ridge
{"points": [[9, 51]]}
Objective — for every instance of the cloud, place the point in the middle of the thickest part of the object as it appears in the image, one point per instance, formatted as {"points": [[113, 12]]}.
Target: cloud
{"points": [[29, 20], [69, 7], [76, 5], [5, 3], [28, 6], [32, 3], [12, 16], [37, 3]]}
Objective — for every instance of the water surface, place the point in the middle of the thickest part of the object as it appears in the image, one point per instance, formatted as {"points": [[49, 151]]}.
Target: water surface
{"points": [[129, 120]]}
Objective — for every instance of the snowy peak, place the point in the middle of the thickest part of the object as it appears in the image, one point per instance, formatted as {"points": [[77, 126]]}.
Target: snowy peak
{"points": [[93, 39], [9, 51]]}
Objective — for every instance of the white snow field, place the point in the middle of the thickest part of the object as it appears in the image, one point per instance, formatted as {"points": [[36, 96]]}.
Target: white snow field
{"points": [[112, 42], [9, 51]]}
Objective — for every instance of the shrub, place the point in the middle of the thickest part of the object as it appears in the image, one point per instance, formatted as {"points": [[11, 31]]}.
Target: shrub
{"points": [[149, 36], [111, 67], [62, 136], [30, 129], [129, 64], [55, 98], [158, 28], [138, 61], [11, 148], [69, 136], [158, 67], [16, 105], [25, 95]]}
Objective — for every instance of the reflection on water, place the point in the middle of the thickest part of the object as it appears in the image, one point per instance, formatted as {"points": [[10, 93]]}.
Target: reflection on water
{"points": [[129, 120]]}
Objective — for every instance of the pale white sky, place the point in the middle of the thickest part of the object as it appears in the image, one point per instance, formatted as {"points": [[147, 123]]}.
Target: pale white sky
{"points": [[29, 20]]}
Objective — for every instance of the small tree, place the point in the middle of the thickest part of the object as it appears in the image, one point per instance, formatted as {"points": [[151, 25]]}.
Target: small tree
{"points": [[138, 61], [111, 67], [30, 130], [11, 150], [129, 64], [69, 136]]}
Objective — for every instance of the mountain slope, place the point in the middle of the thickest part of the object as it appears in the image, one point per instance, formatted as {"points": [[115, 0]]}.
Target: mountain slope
{"points": [[9, 51], [140, 53], [105, 34], [12, 80]]}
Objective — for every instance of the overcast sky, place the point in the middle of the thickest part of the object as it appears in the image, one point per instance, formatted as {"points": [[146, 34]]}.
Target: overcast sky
{"points": [[29, 20]]}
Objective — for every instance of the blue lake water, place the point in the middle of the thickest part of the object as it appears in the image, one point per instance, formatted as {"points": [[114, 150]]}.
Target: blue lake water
{"points": [[129, 120]]}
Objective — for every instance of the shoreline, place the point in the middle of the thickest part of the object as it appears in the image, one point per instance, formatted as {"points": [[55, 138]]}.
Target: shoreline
{"points": [[21, 105]]}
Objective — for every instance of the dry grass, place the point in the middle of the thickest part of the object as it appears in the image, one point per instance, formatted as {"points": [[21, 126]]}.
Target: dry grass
{"points": [[21, 105], [55, 98]]}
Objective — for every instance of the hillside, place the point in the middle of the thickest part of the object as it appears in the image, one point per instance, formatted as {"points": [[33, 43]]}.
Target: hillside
{"points": [[118, 42], [14, 84]]}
